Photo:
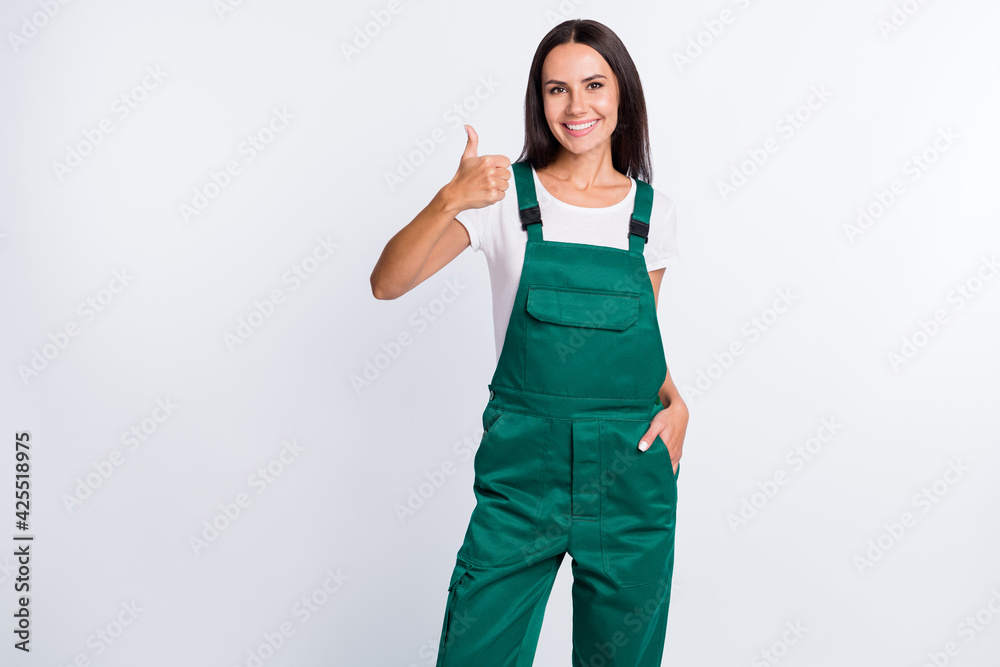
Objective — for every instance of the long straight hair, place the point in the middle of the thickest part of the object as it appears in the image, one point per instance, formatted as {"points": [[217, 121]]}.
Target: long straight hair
{"points": [[630, 139]]}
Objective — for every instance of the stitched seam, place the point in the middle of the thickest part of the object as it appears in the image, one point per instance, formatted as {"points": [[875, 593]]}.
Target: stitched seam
{"points": [[589, 246], [590, 325], [524, 337], [571, 398], [635, 358], [571, 419], [548, 288], [494, 424]]}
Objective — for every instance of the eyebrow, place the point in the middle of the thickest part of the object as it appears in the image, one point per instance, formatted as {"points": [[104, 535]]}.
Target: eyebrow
{"points": [[589, 78]]}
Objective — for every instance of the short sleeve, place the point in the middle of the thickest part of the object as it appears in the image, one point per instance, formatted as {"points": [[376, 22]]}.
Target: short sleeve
{"points": [[476, 221], [661, 250]]}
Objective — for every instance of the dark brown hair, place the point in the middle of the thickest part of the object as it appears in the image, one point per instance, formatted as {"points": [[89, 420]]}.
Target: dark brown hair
{"points": [[630, 139]]}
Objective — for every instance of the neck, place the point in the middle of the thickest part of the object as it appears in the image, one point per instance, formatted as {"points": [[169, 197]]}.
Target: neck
{"points": [[594, 168]]}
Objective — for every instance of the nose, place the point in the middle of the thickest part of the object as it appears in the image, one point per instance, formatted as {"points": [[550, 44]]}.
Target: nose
{"points": [[576, 105]]}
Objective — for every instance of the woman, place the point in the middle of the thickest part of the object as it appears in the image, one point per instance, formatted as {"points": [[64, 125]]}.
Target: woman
{"points": [[584, 427]]}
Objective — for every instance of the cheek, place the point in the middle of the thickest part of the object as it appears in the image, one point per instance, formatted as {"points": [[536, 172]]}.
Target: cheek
{"points": [[549, 112], [609, 107], [611, 113]]}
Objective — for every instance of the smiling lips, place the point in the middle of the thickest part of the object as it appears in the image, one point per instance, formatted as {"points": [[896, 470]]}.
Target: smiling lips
{"points": [[580, 129]]}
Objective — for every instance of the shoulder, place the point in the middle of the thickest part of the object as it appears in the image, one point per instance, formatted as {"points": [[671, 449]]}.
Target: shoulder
{"points": [[663, 204], [663, 214]]}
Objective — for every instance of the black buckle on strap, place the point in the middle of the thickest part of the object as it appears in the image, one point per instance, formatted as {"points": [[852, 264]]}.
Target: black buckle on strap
{"points": [[639, 227], [530, 216]]}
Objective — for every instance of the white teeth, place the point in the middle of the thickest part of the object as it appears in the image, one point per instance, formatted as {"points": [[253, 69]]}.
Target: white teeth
{"points": [[580, 127]]}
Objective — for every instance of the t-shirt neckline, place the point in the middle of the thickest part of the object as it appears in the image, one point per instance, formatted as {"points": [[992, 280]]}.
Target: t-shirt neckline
{"points": [[583, 209]]}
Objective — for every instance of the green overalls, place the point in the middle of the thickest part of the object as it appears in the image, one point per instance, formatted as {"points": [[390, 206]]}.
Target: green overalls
{"points": [[559, 470]]}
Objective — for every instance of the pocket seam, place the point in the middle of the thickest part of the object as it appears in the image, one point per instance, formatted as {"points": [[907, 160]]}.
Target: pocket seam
{"points": [[457, 575], [493, 425], [670, 463]]}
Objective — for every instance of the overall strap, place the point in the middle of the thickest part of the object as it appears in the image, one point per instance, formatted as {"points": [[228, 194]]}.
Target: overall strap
{"points": [[531, 215], [527, 200], [638, 225]]}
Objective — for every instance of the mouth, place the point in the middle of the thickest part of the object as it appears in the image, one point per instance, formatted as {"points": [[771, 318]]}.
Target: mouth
{"points": [[582, 128]]}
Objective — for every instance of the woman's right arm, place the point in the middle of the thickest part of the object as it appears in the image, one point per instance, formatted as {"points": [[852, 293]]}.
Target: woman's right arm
{"points": [[435, 237]]}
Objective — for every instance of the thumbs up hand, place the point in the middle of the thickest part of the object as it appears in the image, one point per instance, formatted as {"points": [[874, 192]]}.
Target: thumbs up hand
{"points": [[480, 180]]}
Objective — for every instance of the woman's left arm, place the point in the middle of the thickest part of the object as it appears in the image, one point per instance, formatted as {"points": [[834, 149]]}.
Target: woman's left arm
{"points": [[671, 422]]}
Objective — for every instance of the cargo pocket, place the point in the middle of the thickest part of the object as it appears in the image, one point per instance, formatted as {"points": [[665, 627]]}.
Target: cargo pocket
{"points": [[638, 504], [458, 578], [571, 332], [507, 485]]}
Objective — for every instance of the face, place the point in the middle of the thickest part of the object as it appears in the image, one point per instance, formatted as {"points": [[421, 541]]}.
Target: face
{"points": [[578, 87]]}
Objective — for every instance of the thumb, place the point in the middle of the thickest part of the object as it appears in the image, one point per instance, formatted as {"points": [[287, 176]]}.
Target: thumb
{"points": [[472, 145]]}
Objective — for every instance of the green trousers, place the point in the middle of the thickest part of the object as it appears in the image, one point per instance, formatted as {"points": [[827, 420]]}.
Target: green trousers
{"points": [[558, 469]]}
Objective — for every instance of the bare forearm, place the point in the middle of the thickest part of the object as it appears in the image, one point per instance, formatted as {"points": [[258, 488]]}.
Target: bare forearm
{"points": [[406, 253], [433, 238]]}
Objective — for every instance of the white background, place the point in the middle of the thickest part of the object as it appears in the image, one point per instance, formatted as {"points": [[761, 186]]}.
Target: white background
{"points": [[364, 447]]}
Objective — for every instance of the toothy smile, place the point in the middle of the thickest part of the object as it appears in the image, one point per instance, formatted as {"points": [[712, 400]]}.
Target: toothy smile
{"points": [[580, 126]]}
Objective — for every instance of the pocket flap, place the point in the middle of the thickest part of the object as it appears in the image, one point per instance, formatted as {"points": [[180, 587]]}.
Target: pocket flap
{"points": [[595, 309]]}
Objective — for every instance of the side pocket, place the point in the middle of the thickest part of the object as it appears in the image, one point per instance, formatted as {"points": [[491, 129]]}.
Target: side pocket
{"points": [[508, 484], [458, 576], [637, 504], [491, 417]]}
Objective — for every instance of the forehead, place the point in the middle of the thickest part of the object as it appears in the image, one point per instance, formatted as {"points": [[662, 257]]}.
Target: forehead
{"points": [[571, 62]]}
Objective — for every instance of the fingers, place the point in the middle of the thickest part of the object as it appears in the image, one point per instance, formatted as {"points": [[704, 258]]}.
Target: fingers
{"points": [[472, 146], [647, 439], [650, 437], [501, 163]]}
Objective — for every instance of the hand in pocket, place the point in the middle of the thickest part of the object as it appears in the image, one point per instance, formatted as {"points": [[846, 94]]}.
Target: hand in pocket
{"points": [[670, 424]]}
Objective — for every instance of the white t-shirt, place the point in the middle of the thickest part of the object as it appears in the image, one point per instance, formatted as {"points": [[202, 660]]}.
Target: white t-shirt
{"points": [[496, 231]]}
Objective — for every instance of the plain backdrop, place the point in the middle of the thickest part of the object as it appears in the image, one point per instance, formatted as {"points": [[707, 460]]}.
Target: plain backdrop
{"points": [[239, 456]]}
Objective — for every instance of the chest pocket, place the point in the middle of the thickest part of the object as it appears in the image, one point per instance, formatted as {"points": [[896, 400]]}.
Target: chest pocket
{"points": [[581, 342]]}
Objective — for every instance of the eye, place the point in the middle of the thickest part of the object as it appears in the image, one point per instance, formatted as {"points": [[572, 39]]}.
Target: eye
{"points": [[592, 83]]}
